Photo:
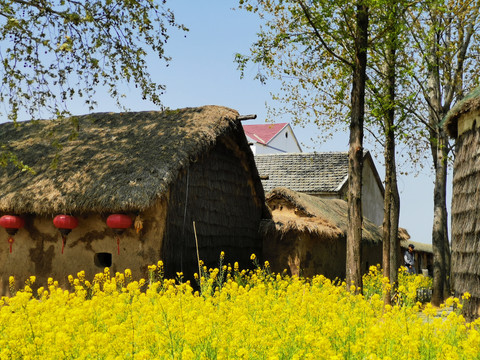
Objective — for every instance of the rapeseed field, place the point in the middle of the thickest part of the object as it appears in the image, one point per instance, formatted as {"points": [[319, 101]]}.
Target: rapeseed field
{"points": [[233, 314]]}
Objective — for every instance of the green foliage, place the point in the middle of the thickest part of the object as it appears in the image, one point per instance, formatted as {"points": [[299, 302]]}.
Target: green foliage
{"points": [[57, 50], [443, 52], [310, 49], [313, 60], [7, 157]]}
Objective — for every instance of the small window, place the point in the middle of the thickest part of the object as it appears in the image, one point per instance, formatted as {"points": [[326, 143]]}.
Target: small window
{"points": [[286, 134], [103, 260]]}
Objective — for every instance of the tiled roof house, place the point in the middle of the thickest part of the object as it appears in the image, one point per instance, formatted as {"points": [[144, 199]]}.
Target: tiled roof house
{"points": [[324, 175]]}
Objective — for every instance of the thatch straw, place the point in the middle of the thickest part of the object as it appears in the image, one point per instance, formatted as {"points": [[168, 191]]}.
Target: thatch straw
{"points": [[419, 247], [466, 219], [469, 103], [315, 225], [118, 161], [403, 234], [327, 217]]}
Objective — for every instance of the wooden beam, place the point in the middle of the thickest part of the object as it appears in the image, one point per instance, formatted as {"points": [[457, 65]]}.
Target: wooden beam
{"points": [[247, 117]]}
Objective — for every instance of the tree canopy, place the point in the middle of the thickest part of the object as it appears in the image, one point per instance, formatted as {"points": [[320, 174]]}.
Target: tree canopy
{"points": [[445, 47], [318, 49], [52, 51], [421, 58], [312, 56]]}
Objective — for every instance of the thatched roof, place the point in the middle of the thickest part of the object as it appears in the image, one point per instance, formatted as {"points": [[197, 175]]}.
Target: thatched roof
{"points": [[325, 217], [422, 247], [469, 103], [118, 161]]}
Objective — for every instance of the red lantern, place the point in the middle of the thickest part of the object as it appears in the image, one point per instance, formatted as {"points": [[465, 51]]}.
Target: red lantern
{"points": [[119, 222], [65, 223], [11, 223]]}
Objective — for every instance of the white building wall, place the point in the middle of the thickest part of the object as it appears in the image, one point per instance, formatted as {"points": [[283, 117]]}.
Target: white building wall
{"points": [[372, 196], [284, 142]]}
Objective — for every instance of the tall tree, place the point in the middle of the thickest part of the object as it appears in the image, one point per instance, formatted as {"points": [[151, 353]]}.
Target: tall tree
{"points": [[309, 45], [52, 51], [388, 78], [445, 48], [382, 86], [355, 152]]}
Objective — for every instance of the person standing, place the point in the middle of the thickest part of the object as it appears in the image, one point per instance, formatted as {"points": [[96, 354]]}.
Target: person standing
{"points": [[409, 259]]}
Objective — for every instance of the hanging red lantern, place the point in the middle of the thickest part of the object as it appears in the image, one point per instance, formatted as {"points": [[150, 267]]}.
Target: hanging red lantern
{"points": [[119, 222], [65, 223], [11, 223]]}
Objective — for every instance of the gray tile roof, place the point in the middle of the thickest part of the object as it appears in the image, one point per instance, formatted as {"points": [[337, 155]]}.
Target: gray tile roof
{"points": [[303, 172]]}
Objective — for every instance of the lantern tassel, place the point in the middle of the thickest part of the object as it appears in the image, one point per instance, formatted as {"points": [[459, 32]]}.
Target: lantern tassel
{"points": [[64, 239], [118, 245], [10, 241]]}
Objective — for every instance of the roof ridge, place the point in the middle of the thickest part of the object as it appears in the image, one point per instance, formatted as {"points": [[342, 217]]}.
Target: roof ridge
{"points": [[305, 153]]}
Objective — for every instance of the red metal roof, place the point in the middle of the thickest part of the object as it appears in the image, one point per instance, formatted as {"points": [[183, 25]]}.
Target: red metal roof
{"points": [[263, 133]]}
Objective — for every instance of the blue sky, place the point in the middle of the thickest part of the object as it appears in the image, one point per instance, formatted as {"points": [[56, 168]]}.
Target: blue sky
{"points": [[202, 71]]}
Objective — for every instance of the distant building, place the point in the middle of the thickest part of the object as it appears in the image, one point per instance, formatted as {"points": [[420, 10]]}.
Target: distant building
{"points": [[323, 175], [307, 235], [271, 139]]}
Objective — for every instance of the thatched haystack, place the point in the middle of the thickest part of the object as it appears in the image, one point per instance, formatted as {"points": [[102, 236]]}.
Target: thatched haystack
{"points": [[307, 235], [462, 124], [168, 168]]}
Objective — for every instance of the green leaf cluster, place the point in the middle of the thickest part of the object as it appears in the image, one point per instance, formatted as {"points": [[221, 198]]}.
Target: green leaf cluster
{"points": [[53, 51]]}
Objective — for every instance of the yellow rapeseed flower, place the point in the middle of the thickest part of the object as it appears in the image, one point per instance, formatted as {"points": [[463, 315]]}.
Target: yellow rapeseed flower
{"points": [[263, 316]]}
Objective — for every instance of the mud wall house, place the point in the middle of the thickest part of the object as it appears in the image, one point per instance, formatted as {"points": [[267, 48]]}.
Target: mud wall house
{"points": [[307, 235], [167, 169], [462, 124], [322, 175], [272, 138]]}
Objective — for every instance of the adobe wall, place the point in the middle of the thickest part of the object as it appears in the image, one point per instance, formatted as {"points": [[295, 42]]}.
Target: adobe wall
{"points": [[37, 248], [305, 254]]}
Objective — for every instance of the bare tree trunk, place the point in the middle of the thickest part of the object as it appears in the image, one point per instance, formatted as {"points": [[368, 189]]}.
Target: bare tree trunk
{"points": [[391, 209], [392, 199], [391, 215], [386, 230], [355, 153], [441, 248], [387, 219], [439, 150], [394, 223], [389, 155]]}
